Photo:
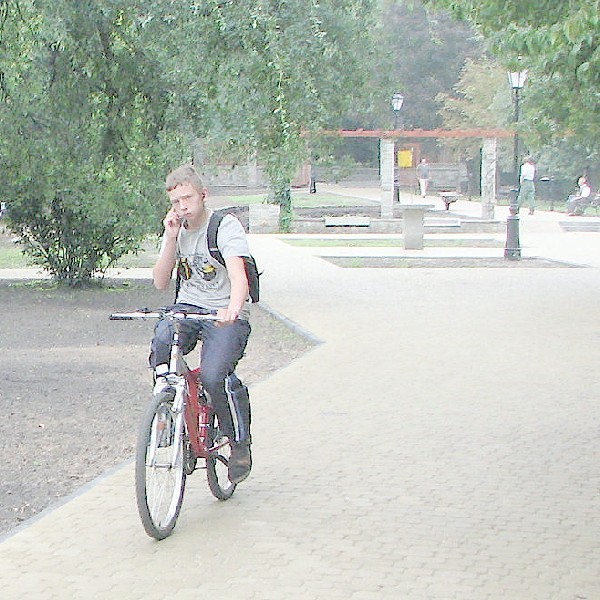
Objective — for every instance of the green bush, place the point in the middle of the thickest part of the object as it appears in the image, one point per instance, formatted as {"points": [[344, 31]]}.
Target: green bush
{"points": [[77, 232]]}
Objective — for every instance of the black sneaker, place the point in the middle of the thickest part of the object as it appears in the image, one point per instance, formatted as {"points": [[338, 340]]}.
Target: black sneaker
{"points": [[240, 462]]}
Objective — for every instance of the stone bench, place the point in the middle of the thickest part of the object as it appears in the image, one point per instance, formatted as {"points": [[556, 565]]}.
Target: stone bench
{"points": [[593, 226], [347, 221]]}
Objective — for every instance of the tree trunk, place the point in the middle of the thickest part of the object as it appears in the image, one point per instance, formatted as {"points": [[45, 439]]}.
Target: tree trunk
{"points": [[282, 195]]}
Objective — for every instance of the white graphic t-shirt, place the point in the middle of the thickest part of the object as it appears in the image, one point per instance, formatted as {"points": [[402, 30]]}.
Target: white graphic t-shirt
{"points": [[209, 286]]}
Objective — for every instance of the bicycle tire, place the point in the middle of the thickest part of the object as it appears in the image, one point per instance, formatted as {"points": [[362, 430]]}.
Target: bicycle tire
{"points": [[217, 462], [159, 466]]}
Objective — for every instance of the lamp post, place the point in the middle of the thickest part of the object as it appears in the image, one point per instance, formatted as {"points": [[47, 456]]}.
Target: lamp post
{"points": [[397, 102], [512, 249]]}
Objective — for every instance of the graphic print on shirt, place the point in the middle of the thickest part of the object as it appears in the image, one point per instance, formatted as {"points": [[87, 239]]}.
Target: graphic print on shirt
{"points": [[205, 271]]}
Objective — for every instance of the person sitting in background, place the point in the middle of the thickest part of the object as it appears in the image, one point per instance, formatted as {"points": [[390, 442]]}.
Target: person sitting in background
{"points": [[577, 203]]}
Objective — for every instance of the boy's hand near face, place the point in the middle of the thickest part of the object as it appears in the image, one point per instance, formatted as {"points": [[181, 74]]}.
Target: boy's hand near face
{"points": [[172, 223]]}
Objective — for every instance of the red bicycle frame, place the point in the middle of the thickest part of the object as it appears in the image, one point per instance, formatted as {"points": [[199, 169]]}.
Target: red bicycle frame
{"points": [[197, 416]]}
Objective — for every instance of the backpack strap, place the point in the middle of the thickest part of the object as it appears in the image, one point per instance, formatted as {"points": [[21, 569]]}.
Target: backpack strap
{"points": [[211, 236]]}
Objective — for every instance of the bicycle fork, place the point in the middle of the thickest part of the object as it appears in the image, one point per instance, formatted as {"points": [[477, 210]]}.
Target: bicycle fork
{"points": [[176, 409], [166, 433]]}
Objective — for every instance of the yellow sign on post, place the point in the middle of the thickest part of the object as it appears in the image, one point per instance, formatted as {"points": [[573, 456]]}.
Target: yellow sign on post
{"points": [[405, 158]]}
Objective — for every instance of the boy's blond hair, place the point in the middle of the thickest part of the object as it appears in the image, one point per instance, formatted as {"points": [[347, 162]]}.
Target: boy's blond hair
{"points": [[182, 175]]}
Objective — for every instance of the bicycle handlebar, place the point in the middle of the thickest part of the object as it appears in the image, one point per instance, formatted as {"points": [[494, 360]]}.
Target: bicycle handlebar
{"points": [[144, 313]]}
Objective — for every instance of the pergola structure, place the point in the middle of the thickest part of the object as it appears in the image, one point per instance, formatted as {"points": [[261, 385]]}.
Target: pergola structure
{"points": [[387, 140], [422, 133]]}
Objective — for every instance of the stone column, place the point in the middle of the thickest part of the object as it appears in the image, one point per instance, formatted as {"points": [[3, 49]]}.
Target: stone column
{"points": [[386, 171], [488, 178]]}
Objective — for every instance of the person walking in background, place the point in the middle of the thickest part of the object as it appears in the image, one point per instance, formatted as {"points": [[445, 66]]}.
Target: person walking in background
{"points": [[423, 176], [526, 185]]}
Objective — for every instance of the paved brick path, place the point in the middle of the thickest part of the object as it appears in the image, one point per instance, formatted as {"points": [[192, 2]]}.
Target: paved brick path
{"points": [[442, 443]]}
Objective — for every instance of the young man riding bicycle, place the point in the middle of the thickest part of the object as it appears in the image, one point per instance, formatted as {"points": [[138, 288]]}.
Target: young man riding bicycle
{"points": [[208, 285]]}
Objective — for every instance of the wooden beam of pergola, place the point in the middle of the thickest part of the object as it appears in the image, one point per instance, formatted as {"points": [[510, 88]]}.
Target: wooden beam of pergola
{"points": [[419, 133]]}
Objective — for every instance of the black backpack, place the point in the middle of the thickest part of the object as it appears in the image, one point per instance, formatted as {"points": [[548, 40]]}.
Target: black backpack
{"points": [[252, 272]]}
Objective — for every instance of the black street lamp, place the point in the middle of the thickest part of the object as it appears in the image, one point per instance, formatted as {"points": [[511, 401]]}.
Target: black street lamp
{"points": [[512, 249], [397, 102]]}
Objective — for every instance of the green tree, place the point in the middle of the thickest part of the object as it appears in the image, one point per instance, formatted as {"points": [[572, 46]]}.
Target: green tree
{"points": [[81, 115], [480, 99], [427, 52], [261, 76], [421, 54], [98, 98], [557, 41]]}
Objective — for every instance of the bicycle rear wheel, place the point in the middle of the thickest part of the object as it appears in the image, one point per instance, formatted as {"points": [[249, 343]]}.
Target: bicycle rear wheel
{"points": [[217, 463], [159, 466]]}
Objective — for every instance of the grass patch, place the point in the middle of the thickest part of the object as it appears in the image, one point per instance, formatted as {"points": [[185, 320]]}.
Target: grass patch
{"points": [[391, 243], [464, 243], [396, 262], [337, 243], [12, 258]]}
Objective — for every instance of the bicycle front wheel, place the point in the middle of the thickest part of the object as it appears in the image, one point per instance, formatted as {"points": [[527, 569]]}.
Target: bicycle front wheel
{"points": [[217, 462], [159, 466]]}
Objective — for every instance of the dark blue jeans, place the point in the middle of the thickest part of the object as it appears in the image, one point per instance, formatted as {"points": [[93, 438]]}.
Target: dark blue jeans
{"points": [[222, 348]]}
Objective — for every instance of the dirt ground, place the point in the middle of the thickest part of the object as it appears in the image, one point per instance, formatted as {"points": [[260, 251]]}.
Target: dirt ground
{"points": [[74, 384]]}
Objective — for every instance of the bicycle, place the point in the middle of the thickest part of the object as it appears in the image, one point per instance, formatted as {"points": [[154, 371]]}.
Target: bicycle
{"points": [[178, 429]]}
